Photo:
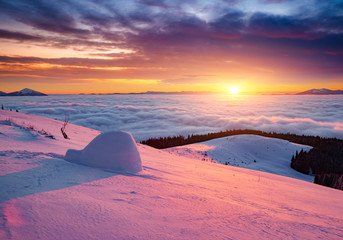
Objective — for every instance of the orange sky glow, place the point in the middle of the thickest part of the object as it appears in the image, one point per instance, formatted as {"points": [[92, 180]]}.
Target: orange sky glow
{"points": [[169, 47]]}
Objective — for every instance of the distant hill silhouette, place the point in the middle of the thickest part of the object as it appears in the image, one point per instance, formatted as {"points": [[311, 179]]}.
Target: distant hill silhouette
{"points": [[322, 91], [169, 93], [23, 92]]}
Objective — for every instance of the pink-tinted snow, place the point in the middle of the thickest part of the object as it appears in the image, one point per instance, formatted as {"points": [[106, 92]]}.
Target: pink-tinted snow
{"points": [[173, 197]]}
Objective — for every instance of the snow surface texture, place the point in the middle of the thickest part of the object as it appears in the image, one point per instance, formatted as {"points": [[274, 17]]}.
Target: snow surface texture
{"points": [[42, 196], [248, 151], [114, 150]]}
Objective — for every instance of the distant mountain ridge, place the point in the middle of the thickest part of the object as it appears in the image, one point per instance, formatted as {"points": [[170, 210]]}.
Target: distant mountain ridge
{"points": [[23, 92], [157, 93], [322, 91]]}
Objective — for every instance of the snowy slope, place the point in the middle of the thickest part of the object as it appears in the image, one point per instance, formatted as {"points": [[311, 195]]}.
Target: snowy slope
{"points": [[22, 137], [248, 151], [175, 197]]}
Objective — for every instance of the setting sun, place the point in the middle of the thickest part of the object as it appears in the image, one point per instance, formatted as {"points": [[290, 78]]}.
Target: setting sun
{"points": [[233, 90]]}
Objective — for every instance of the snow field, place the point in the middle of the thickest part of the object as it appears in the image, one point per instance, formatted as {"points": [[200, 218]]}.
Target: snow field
{"points": [[173, 197]]}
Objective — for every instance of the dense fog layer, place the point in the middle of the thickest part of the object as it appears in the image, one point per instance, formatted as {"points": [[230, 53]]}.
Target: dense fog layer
{"points": [[166, 115]]}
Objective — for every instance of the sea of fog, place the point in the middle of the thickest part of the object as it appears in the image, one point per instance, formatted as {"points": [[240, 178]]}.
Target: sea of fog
{"points": [[147, 116]]}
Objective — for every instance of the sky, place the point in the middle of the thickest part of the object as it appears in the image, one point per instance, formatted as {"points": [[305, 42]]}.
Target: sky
{"points": [[146, 45]]}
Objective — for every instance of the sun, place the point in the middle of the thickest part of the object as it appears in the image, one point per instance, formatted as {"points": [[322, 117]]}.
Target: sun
{"points": [[234, 90]]}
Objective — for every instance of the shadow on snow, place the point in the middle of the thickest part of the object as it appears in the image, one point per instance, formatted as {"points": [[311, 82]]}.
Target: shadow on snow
{"points": [[52, 174]]}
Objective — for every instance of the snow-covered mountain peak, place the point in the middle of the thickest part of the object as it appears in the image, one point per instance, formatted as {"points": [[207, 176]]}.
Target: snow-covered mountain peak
{"points": [[322, 91], [26, 92]]}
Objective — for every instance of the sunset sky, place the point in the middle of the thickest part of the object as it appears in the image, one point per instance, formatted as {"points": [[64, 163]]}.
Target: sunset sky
{"points": [[146, 45]]}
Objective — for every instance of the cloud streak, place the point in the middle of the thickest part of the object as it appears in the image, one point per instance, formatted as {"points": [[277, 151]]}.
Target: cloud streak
{"points": [[18, 36]]}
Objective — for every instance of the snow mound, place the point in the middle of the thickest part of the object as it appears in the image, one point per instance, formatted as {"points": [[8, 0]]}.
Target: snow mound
{"points": [[114, 150]]}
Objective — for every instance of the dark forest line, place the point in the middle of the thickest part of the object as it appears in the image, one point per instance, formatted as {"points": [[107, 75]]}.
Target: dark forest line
{"points": [[167, 142], [324, 159]]}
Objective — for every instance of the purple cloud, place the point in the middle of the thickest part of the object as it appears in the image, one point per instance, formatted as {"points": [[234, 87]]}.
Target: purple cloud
{"points": [[178, 34], [18, 36]]}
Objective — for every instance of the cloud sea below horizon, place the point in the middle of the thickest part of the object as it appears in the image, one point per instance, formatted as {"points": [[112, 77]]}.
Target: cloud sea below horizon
{"points": [[146, 116]]}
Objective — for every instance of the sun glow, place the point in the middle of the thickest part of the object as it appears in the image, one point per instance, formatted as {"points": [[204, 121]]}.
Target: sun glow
{"points": [[234, 90]]}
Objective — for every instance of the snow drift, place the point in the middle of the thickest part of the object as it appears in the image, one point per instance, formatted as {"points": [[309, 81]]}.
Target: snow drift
{"points": [[114, 150]]}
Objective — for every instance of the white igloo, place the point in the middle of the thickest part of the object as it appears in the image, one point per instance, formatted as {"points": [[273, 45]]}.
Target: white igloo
{"points": [[114, 150]]}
